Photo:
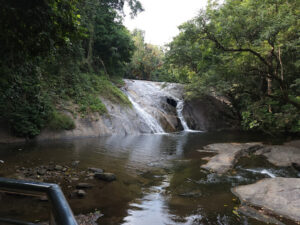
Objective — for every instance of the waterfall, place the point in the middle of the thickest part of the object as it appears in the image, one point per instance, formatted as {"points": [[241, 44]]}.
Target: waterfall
{"points": [[150, 101], [179, 108], [148, 119]]}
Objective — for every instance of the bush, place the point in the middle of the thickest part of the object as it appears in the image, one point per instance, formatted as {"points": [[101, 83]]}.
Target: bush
{"points": [[86, 88], [60, 121], [24, 103]]}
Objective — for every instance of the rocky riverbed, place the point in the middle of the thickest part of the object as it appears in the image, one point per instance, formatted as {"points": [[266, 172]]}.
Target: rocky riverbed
{"points": [[277, 195], [228, 154], [76, 181], [151, 179]]}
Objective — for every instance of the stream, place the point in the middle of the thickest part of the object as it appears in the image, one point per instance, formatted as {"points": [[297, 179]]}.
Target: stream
{"points": [[159, 179]]}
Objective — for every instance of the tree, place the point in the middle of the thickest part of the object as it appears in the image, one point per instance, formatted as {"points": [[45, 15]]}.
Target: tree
{"points": [[46, 57], [146, 60], [108, 45], [247, 50]]}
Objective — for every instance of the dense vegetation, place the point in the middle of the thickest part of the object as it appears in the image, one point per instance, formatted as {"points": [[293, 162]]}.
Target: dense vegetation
{"points": [[249, 52], [57, 52], [60, 55]]}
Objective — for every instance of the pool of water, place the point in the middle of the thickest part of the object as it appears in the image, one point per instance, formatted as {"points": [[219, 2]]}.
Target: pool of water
{"points": [[159, 179]]}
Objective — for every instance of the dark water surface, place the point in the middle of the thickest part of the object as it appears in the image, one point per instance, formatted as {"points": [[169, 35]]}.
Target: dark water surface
{"points": [[159, 180]]}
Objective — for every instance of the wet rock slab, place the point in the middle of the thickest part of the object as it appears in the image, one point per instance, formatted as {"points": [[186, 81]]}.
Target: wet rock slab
{"points": [[258, 215], [278, 195], [281, 155], [227, 155]]}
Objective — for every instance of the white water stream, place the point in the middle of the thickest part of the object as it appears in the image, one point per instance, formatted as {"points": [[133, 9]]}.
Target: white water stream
{"points": [[179, 109], [148, 98], [148, 119], [262, 171]]}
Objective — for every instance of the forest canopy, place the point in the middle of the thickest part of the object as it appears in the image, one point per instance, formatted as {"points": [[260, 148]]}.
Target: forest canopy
{"points": [[247, 51]]}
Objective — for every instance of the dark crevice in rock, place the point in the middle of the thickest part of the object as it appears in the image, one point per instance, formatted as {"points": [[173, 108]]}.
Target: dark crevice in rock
{"points": [[172, 102]]}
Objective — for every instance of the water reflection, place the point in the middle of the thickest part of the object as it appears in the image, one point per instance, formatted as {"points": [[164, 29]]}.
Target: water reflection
{"points": [[159, 180]]}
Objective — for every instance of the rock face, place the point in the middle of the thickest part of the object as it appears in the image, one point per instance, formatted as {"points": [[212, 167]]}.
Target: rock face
{"points": [[158, 100], [227, 155], [155, 109], [278, 195], [209, 113]]}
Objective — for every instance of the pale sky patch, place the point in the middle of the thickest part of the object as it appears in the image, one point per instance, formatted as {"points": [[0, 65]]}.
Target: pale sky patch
{"points": [[162, 17]]}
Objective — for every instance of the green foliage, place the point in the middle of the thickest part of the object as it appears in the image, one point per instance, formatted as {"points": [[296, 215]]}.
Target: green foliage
{"points": [[111, 92], [86, 90], [60, 121], [33, 28], [247, 51], [147, 60], [284, 119], [108, 45], [23, 102], [60, 51]]}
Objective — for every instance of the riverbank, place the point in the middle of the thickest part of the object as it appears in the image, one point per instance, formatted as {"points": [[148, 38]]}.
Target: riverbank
{"points": [[275, 195]]}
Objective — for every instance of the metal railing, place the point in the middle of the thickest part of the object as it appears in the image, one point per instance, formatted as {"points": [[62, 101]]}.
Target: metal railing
{"points": [[61, 213]]}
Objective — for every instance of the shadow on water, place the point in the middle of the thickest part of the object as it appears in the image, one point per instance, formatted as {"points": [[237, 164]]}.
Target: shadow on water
{"points": [[159, 180]]}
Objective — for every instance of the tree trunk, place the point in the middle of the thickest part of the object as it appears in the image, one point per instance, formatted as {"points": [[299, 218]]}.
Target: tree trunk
{"points": [[269, 91]]}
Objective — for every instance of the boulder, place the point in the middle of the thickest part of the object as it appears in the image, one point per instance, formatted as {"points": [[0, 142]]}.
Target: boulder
{"points": [[281, 155], [210, 113], [227, 155], [278, 195]]}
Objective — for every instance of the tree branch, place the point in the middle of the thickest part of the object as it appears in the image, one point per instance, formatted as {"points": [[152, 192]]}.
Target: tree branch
{"points": [[220, 46]]}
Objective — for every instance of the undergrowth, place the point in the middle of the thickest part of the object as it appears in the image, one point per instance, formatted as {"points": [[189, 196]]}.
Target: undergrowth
{"points": [[32, 102], [60, 121]]}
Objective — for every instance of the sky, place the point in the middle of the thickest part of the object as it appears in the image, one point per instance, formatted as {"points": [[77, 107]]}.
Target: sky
{"points": [[162, 17]]}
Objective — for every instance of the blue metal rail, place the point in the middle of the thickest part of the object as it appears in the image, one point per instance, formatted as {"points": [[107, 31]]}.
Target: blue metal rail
{"points": [[61, 212]]}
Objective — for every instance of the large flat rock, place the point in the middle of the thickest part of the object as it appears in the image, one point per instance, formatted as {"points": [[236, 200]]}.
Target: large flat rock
{"points": [[227, 155], [281, 155], [278, 195]]}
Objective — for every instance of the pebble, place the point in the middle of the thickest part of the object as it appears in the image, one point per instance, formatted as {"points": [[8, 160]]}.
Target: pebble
{"points": [[58, 167], [96, 170], [75, 163], [84, 185], [41, 172], [81, 193], [105, 176]]}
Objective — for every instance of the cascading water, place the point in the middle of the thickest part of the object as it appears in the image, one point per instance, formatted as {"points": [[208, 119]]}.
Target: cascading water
{"points": [[148, 119], [149, 101], [179, 108], [262, 171]]}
